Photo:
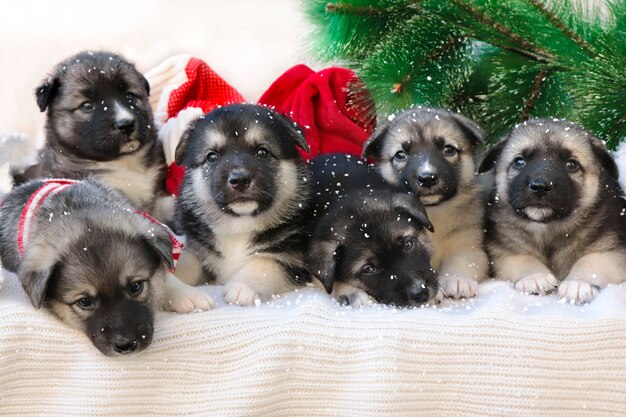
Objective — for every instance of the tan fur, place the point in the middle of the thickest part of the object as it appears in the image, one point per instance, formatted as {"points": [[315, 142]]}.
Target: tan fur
{"points": [[135, 181]]}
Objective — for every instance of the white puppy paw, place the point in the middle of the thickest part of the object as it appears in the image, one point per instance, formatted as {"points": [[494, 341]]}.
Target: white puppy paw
{"points": [[241, 294], [538, 283], [355, 298], [577, 292], [182, 298], [458, 287]]}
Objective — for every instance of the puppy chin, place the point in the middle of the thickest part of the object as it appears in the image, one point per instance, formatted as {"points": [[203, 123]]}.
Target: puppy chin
{"points": [[243, 208], [538, 214], [431, 200], [130, 147]]}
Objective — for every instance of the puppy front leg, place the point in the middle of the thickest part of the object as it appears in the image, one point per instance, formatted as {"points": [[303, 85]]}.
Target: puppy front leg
{"points": [[464, 264], [179, 297], [256, 281], [348, 294], [189, 269], [529, 274], [590, 274], [460, 273]]}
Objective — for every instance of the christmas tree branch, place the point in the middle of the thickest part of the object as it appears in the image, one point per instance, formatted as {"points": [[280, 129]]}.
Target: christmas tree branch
{"points": [[340, 8], [498, 61], [550, 16], [451, 43], [535, 90], [525, 47]]}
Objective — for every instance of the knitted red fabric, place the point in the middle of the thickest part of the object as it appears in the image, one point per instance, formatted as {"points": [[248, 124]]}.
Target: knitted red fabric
{"points": [[204, 88], [319, 102], [174, 178]]}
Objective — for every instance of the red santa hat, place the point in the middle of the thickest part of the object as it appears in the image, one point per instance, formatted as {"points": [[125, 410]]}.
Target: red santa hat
{"points": [[320, 102]]}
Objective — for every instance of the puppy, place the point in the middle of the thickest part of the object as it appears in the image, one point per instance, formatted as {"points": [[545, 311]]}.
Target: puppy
{"points": [[81, 251], [369, 241], [431, 153], [244, 201], [99, 122], [557, 216]]}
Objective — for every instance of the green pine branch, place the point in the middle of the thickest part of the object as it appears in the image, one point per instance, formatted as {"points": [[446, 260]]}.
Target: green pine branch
{"points": [[498, 61]]}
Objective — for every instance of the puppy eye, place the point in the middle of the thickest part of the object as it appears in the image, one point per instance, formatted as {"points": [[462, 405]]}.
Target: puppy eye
{"points": [[130, 96], [136, 287], [572, 165], [262, 152], [87, 107], [368, 269], [86, 303], [400, 156], [519, 162], [449, 150], [408, 244], [212, 156]]}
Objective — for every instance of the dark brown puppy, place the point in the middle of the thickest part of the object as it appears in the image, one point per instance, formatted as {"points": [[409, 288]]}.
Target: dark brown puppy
{"points": [[99, 122]]}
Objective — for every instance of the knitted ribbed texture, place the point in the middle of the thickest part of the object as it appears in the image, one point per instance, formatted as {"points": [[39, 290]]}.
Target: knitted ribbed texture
{"points": [[503, 354]]}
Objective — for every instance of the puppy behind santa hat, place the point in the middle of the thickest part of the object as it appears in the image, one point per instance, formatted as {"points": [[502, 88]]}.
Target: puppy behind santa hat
{"points": [[184, 88]]}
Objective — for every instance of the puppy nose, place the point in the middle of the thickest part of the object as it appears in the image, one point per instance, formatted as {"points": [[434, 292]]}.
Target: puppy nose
{"points": [[125, 126], [427, 179], [239, 179], [418, 292], [540, 185], [122, 344]]}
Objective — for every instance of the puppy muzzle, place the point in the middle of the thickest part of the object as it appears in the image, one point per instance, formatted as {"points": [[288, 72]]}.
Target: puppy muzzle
{"points": [[123, 330], [419, 292]]}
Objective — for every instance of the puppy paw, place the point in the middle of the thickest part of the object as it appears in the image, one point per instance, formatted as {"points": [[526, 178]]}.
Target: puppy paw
{"points": [[538, 283], [577, 292], [458, 287], [183, 298], [357, 298], [238, 293]]}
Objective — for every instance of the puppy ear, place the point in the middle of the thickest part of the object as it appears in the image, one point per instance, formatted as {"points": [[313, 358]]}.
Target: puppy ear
{"points": [[179, 155], [46, 92], [322, 261], [295, 132], [371, 148], [158, 238], [146, 84], [36, 269], [409, 204], [606, 160], [489, 161], [35, 283], [470, 129]]}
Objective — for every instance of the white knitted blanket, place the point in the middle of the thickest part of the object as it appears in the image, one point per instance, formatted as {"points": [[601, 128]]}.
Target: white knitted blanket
{"points": [[501, 354]]}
